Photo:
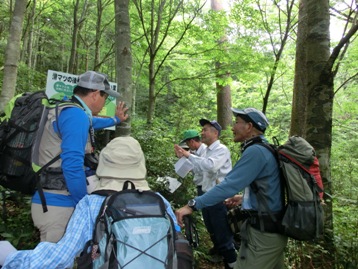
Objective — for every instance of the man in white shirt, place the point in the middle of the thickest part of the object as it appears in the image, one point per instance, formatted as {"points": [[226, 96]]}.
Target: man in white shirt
{"points": [[192, 139], [214, 165]]}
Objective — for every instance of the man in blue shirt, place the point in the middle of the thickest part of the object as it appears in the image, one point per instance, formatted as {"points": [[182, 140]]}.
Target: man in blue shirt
{"points": [[262, 249], [69, 131], [121, 160]]}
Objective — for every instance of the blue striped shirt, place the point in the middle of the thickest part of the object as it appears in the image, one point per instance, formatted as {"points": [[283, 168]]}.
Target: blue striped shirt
{"points": [[79, 231]]}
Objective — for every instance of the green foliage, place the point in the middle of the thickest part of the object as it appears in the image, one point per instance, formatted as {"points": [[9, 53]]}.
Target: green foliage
{"points": [[346, 233], [16, 224], [299, 255], [157, 142], [344, 169], [186, 92]]}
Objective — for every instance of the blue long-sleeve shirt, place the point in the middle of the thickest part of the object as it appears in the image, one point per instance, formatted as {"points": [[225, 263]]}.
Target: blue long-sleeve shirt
{"points": [[79, 230], [74, 124], [256, 163]]}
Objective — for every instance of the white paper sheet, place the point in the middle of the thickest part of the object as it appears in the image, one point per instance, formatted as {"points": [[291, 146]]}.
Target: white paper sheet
{"points": [[171, 183], [183, 166], [5, 249]]}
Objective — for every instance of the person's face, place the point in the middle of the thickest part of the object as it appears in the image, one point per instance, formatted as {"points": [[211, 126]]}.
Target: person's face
{"points": [[241, 130], [191, 144], [99, 100], [209, 134]]}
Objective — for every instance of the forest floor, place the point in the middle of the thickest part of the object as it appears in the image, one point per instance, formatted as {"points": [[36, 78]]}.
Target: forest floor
{"points": [[205, 264]]}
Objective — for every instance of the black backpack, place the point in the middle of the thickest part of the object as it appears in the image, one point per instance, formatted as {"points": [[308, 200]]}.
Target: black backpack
{"points": [[21, 126], [133, 230]]}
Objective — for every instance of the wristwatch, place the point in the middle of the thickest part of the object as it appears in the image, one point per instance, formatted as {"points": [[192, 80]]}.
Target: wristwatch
{"points": [[191, 204]]}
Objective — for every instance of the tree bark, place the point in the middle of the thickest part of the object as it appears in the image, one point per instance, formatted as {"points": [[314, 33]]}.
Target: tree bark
{"points": [[31, 35], [299, 101], [12, 53], [77, 22], [123, 61], [96, 59], [313, 106], [223, 96]]}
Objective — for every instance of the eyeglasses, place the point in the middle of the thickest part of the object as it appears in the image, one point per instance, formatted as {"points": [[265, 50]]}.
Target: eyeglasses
{"points": [[104, 94]]}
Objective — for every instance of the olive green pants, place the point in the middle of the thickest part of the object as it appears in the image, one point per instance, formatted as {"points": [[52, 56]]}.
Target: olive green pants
{"points": [[264, 250]]}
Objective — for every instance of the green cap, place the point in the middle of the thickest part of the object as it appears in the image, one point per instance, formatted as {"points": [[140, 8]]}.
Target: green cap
{"points": [[189, 134]]}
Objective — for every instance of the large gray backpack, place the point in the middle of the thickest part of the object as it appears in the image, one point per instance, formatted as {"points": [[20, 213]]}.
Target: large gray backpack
{"points": [[303, 216]]}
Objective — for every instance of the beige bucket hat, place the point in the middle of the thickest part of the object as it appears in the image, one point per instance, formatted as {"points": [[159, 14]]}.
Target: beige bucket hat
{"points": [[121, 160]]}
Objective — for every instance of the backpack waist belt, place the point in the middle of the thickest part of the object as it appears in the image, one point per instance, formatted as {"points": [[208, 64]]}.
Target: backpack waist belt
{"points": [[265, 220], [53, 179]]}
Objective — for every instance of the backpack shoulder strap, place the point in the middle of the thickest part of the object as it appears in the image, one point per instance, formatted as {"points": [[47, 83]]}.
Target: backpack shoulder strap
{"points": [[100, 226], [256, 190], [38, 182]]}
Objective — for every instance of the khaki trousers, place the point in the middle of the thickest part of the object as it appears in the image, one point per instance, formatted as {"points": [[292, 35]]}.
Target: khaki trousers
{"points": [[52, 224]]}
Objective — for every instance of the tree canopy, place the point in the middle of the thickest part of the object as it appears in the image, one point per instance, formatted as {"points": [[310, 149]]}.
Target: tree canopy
{"points": [[181, 53]]}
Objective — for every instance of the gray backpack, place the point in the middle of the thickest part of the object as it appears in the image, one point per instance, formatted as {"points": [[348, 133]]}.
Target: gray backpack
{"points": [[303, 216]]}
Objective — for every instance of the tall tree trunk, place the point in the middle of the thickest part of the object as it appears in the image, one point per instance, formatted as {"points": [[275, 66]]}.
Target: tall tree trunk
{"points": [[223, 96], [77, 22], [98, 35], [25, 38], [71, 65], [30, 57], [12, 53], [31, 35], [313, 104], [37, 51], [123, 61], [151, 100], [300, 92]]}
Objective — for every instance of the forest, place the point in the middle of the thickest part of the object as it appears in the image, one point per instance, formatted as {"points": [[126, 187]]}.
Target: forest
{"points": [[177, 61]]}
